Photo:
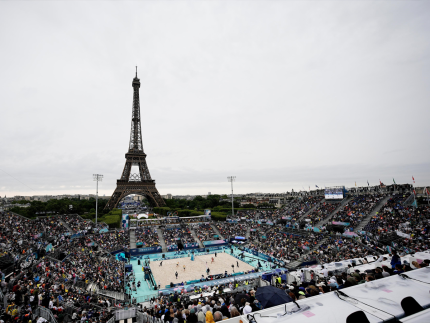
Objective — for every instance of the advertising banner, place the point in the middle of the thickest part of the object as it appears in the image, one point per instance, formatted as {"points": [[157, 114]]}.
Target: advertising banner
{"points": [[214, 243], [143, 251], [340, 223], [172, 247], [192, 245]]}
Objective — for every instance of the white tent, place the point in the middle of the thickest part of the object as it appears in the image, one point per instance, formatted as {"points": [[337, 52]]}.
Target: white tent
{"points": [[328, 308], [386, 294], [420, 317]]}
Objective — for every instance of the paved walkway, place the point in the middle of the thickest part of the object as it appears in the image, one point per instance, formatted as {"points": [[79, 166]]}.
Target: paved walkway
{"points": [[161, 239], [372, 214], [340, 207], [193, 233], [65, 225], [217, 231], [313, 208], [132, 239]]}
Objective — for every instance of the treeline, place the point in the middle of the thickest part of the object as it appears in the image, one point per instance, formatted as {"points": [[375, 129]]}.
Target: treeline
{"points": [[52, 207], [200, 203]]}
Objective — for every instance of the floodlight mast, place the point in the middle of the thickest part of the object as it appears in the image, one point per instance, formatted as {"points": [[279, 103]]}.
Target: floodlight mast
{"points": [[97, 178], [231, 179]]}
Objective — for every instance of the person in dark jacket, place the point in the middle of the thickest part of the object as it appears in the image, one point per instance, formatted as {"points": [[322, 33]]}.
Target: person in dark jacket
{"points": [[395, 260]]}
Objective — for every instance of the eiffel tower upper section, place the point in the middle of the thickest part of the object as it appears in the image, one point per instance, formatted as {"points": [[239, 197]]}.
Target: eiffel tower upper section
{"points": [[136, 146], [141, 183]]}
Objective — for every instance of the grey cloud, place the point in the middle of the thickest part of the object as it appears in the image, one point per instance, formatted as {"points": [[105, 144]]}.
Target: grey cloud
{"points": [[281, 94]]}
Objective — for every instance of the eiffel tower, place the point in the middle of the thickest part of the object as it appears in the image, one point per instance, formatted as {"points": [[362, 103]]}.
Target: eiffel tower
{"points": [[140, 183]]}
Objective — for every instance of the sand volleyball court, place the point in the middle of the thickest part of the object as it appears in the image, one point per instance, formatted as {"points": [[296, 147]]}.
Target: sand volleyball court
{"points": [[195, 269]]}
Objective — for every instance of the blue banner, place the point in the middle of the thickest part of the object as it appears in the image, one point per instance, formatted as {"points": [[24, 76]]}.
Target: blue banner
{"points": [[214, 243], [192, 245], [172, 247], [143, 251]]}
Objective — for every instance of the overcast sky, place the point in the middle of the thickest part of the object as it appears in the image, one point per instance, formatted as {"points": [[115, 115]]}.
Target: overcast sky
{"points": [[281, 94]]}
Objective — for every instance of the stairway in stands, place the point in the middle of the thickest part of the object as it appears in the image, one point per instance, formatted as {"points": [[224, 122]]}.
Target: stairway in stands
{"points": [[310, 210], [378, 207], [65, 225], [92, 287], [294, 264], [340, 207], [217, 231], [248, 232], [132, 239], [193, 233], [161, 239]]}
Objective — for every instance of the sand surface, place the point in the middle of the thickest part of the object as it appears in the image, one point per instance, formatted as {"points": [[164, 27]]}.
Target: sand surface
{"points": [[195, 269]]}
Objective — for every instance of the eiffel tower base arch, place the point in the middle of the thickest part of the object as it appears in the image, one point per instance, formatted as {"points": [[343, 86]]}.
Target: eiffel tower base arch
{"points": [[144, 188]]}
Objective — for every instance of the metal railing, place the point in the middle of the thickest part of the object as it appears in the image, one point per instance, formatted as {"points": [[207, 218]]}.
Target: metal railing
{"points": [[45, 313], [115, 295]]}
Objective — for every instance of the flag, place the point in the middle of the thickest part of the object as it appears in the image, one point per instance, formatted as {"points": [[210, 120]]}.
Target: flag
{"points": [[316, 186], [427, 190], [394, 244], [389, 249], [368, 183], [413, 179], [394, 181], [309, 188], [355, 184], [380, 183]]}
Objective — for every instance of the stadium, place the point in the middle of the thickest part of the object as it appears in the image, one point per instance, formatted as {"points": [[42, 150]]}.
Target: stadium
{"points": [[324, 248]]}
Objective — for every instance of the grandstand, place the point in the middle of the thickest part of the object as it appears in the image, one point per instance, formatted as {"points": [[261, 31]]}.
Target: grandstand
{"points": [[366, 228]]}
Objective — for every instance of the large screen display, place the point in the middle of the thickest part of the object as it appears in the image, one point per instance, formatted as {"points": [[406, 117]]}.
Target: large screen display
{"points": [[333, 193]]}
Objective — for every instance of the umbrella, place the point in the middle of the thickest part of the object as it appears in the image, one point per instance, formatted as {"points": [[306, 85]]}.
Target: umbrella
{"points": [[270, 296], [239, 297]]}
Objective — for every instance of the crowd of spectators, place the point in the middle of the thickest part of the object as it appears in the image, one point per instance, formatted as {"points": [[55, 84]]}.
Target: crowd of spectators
{"points": [[358, 208], [321, 211], [204, 231], [106, 272], [61, 285], [218, 307], [148, 236], [247, 214], [111, 241], [298, 207], [255, 230], [391, 215], [286, 246], [20, 236], [412, 223], [231, 230], [172, 234], [336, 249], [78, 225]]}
